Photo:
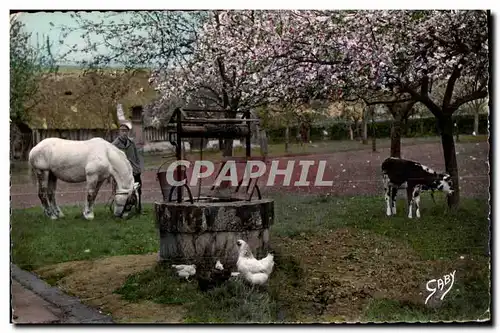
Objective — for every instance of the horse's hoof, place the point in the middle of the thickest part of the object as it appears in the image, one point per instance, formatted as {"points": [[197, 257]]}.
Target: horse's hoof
{"points": [[89, 216]]}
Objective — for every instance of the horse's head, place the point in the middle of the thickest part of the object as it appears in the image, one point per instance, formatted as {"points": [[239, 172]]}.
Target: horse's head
{"points": [[125, 200]]}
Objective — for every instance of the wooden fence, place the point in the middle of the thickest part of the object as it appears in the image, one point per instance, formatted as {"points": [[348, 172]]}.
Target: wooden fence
{"points": [[150, 134], [153, 134]]}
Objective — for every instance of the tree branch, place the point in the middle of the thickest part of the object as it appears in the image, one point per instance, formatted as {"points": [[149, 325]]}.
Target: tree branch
{"points": [[390, 102], [450, 86], [468, 98], [424, 88], [423, 97]]}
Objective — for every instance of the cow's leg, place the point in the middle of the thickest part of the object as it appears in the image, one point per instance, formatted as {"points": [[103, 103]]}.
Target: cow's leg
{"points": [[43, 178], [409, 197], [93, 185], [416, 200], [394, 193], [432, 196], [387, 196], [51, 191]]}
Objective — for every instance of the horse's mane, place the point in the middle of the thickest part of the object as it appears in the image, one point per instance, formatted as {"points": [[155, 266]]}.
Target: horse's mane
{"points": [[112, 150]]}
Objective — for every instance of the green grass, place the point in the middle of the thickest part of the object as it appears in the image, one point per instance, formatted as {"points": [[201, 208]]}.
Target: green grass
{"points": [[437, 235], [38, 241], [468, 302], [463, 138], [158, 285], [234, 302]]}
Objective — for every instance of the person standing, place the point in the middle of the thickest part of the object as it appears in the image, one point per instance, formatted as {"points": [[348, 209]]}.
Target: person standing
{"points": [[127, 145]]}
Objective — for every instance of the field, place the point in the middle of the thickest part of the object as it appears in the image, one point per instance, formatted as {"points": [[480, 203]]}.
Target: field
{"points": [[338, 257]]}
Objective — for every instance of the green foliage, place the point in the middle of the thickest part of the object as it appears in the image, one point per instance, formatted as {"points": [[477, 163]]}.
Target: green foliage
{"points": [[27, 66]]}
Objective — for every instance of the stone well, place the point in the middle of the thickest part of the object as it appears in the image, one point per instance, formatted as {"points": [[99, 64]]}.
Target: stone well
{"points": [[211, 227]]}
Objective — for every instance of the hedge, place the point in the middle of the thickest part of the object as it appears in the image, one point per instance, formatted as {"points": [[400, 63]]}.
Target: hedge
{"points": [[414, 128]]}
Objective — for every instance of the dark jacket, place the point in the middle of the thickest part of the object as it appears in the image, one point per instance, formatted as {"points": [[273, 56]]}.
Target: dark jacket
{"points": [[129, 148]]}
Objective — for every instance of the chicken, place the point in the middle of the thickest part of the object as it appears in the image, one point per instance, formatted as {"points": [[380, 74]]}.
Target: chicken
{"points": [[253, 271], [211, 277], [256, 278], [185, 271]]}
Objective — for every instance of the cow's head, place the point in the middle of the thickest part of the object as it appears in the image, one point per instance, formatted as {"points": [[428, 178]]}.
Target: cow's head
{"points": [[444, 183]]}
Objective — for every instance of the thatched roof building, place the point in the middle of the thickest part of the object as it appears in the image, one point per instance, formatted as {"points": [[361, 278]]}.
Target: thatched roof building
{"points": [[77, 100]]}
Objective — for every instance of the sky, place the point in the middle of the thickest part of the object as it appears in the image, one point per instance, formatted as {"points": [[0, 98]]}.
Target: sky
{"points": [[39, 23]]}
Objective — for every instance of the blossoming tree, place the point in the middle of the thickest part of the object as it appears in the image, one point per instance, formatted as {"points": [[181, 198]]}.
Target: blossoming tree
{"points": [[400, 52], [409, 50], [233, 65], [250, 58]]}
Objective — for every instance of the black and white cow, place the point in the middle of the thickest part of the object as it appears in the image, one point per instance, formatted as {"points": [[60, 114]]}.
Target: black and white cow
{"points": [[418, 177]]}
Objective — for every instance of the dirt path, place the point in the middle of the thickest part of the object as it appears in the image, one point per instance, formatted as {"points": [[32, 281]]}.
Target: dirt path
{"points": [[353, 173], [94, 281]]}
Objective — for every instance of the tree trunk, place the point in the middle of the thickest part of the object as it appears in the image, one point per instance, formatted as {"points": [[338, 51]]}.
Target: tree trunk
{"points": [[356, 130], [351, 132], [396, 136], [365, 126], [263, 143], [445, 124], [228, 143], [287, 138], [374, 144], [221, 145], [228, 148], [476, 122], [374, 134]]}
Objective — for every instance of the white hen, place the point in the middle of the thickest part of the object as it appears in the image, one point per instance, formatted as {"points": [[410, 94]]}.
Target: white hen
{"points": [[253, 270], [185, 271]]}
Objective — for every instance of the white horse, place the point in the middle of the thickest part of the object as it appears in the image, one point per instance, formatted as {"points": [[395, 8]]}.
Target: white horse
{"points": [[94, 161]]}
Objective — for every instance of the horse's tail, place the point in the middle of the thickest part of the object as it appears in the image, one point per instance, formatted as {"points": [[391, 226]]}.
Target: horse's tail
{"points": [[31, 173]]}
